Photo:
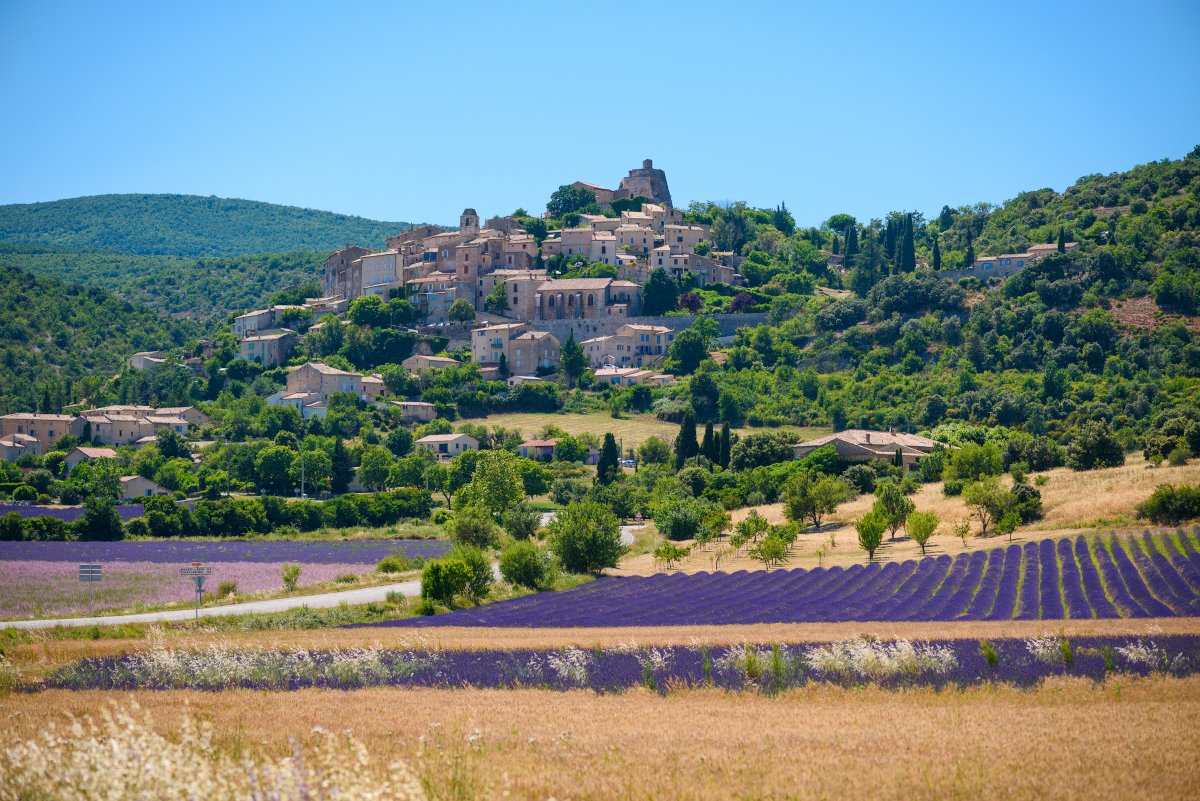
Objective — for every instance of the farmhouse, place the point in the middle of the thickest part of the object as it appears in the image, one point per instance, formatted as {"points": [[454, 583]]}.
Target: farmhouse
{"points": [[133, 487], [83, 454], [448, 445], [858, 445]]}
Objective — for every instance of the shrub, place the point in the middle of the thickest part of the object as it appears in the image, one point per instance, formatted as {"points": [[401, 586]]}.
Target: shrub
{"points": [[346, 578], [479, 572], [521, 521], [680, 518], [442, 579], [1179, 456], [441, 516], [394, 563], [524, 564], [1171, 505], [291, 576], [24, 493], [474, 526], [138, 527], [425, 607], [226, 588]]}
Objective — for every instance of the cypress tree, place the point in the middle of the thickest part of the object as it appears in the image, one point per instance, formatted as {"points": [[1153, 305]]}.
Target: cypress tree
{"points": [[937, 255], [608, 466], [889, 238], [835, 243], [969, 253], [686, 445], [851, 245], [343, 468], [1062, 240], [709, 446], [724, 446], [908, 248]]}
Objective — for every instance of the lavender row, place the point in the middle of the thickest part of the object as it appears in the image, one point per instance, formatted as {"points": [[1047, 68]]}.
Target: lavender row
{"points": [[1083, 577], [172, 551], [768, 668]]}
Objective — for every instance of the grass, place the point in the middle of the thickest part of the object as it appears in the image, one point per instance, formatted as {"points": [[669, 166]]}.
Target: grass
{"points": [[1066, 740], [631, 429], [1073, 503]]}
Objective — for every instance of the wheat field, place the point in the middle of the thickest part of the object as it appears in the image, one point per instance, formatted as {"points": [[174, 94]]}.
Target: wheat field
{"points": [[1067, 740]]}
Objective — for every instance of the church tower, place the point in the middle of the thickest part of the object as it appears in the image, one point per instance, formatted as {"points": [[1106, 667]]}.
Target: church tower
{"points": [[468, 223]]}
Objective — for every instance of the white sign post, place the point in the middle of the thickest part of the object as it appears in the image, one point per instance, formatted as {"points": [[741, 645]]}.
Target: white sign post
{"points": [[90, 573], [197, 573]]}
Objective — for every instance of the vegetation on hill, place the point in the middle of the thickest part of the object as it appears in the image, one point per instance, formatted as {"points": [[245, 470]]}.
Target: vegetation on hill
{"points": [[53, 334], [184, 225], [201, 288]]}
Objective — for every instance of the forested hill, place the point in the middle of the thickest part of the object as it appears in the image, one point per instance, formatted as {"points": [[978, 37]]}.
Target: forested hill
{"points": [[52, 334], [203, 288], [184, 225]]}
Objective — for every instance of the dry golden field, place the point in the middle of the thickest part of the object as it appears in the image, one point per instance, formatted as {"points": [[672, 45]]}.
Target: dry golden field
{"points": [[1073, 503], [1069, 739], [632, 429]]}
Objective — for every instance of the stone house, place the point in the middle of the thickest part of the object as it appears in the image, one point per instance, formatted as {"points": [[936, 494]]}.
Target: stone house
{"points": [[415, 411], [541, 450], [270, 348], [86, 454], [147, 359], [520, 289], [37, 433], [447, 446], [135, 487], [523, 351], [681, 238], [860, 445], [632, 345], [421, 361], [628, 376]]}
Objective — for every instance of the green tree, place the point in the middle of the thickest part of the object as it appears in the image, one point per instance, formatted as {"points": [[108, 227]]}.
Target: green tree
{"points": [[586, 537], [726, 445], [686, 445], [315, 467], [461, 311], [570, 199], [937, 255], [986, 500], [810, 497], [654, 450], [1095, 446], [870, 530], [660, 294], [710, 445], [342, 472], [1062, 240], [893, 505], [771, 550], [273, 468], [100, 520], [608, 467], [572, 361], [374, 466], [496, 483], [497, 300], [369, 310], [687, 351], [921, 527], [479, 572]]}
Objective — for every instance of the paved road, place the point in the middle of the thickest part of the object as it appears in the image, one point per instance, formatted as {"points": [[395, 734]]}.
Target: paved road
{"points": [[324, 600]]}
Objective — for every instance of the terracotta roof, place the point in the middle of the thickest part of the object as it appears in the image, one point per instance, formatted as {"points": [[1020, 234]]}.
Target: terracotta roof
{"points": [[575, 283], [54, 418], [442, 437], [873, 439], [97, 453], [539, 443]]}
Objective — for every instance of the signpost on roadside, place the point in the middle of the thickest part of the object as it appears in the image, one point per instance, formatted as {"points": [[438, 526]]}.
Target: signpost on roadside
{"points": [[90, 572], [197, 573]]}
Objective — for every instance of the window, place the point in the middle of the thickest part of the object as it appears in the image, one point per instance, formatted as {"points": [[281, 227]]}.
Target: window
{"points": [[591, 300]]}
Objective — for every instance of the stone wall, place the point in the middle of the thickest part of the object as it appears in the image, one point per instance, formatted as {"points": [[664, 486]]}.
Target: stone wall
{"points": [[586, 329]]}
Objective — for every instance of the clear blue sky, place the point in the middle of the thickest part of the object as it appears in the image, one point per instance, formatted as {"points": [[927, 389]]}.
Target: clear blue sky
{"points": [[402, 111]]}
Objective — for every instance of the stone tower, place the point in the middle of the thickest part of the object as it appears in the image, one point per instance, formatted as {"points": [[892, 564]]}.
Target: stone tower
{"points": [[468, 222], [648, 182]]}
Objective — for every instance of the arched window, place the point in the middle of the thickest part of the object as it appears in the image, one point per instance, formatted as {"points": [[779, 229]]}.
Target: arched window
{"points": [[591, 300], [551, 304]]}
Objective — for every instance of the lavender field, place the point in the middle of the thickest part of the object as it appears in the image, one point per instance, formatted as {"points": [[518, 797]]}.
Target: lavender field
{"points": [[40, 579], [1081, 577], [769, 668]]}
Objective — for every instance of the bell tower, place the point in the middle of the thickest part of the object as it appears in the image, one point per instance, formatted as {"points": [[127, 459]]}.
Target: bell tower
{"points": [[468, 222]]}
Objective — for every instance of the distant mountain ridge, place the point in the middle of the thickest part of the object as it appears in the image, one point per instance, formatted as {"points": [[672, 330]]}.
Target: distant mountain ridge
{"points": [[184, 225]]}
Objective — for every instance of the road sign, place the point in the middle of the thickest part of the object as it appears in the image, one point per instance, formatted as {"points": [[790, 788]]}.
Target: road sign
{"points": [[89, 572], [196, 570], [199, 581]]}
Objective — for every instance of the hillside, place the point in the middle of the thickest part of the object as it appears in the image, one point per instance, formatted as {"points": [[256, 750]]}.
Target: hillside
{"points": [[202, 288], [184, 225], [52, 334]]}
